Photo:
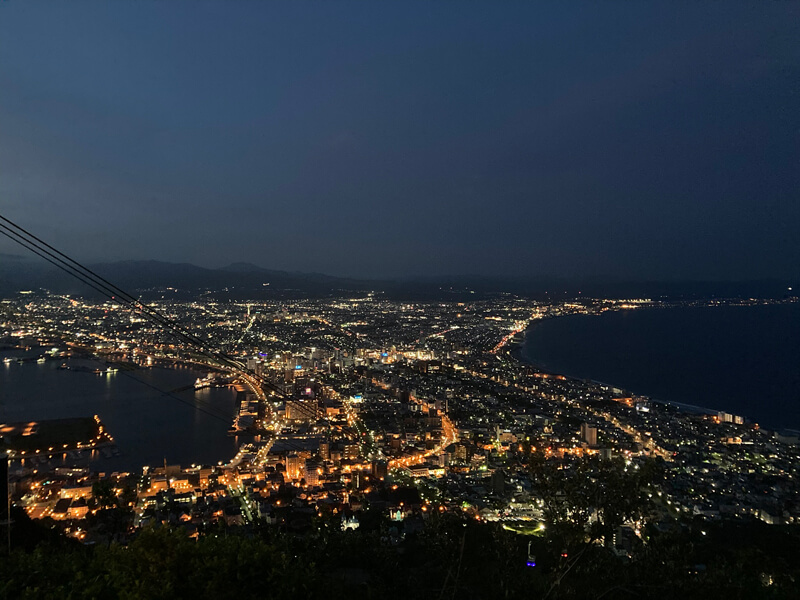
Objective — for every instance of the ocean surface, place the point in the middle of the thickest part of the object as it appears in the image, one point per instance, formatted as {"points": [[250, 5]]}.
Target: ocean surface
{"points": [[741, 359], [147, 425]]}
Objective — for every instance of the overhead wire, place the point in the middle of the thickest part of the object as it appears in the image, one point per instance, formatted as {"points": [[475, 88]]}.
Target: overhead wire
{"points": [[198, 405], [208, 409], [109, 289], [114, 293], [73, 272], [57, 258], [101, 285]]}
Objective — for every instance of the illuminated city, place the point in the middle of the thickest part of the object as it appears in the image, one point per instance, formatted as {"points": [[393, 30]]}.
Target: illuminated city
{"points": [[367, 395], [391, 300]]}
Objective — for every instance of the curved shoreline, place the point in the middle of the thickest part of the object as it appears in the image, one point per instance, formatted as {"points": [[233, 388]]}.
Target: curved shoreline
{"points": [[517, 349], [144, 394]]}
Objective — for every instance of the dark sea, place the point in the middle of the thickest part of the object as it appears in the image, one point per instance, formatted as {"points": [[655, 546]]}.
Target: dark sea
{"points": [[740, 359], [147, 425]]}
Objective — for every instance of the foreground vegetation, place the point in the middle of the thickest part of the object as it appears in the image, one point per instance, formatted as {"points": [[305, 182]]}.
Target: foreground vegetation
{"points": [[450, 557]]}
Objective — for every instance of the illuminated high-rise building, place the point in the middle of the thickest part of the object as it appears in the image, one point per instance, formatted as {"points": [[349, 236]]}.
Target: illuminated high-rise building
{"points": [[589, 434], [295, 466]]}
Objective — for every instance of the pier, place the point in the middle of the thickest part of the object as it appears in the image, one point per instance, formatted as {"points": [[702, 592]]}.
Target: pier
{"points": [[32, 439]]}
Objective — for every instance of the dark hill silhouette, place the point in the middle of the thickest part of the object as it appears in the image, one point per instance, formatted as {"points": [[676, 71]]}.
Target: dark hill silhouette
{"points": [[242, 280]]}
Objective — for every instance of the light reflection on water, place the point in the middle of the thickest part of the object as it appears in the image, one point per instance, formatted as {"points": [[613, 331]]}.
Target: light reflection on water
{"points": [[148, 426], [741, 359]]}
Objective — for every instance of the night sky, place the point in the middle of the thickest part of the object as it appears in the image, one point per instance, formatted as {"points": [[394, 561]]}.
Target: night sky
{"points": [[373, 139]]}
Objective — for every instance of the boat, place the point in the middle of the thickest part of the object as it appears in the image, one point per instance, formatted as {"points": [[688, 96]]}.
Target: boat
{"points": [[204, 382]]}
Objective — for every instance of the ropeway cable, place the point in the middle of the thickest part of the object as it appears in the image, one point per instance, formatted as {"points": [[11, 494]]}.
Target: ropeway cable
{"points": [[197, 405], [108, 289], [114, 293]]}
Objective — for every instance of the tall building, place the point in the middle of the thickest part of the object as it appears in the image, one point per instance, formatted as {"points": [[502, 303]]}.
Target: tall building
{"points": [[350, 451], [295, 466], [302, 410], [312, 472], [380, 469], [589, 434], [325, 450], [725, 417]]}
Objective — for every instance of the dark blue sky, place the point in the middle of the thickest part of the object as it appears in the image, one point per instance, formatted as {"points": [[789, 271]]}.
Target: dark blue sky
{"points": [[629, 139]]}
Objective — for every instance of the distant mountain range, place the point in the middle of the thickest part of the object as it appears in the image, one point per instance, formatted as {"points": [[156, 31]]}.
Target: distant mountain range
{"points": [[243, 280], [151, 276]]}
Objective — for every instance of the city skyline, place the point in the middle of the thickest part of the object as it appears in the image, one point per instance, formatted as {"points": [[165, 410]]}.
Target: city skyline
{"points": [[399, 300]]}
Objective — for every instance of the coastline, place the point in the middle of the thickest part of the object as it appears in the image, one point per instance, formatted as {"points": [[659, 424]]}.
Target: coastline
{"points": [[519, 349], [147, 427]]}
